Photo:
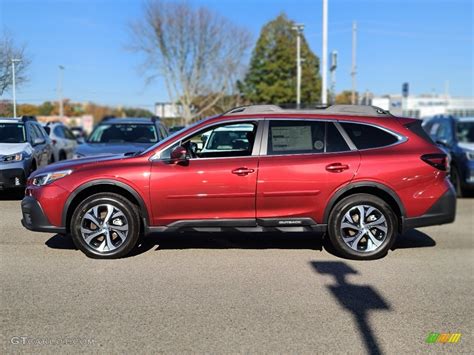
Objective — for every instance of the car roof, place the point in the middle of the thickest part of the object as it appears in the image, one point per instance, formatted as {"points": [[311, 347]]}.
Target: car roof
{"points": [[129, 120], [10, 120], [465, 119]]}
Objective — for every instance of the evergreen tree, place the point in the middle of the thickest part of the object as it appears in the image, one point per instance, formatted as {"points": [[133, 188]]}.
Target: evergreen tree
{"points": [[271, 78]]}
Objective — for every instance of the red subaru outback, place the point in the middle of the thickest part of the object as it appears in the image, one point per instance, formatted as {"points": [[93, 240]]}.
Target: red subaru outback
{"points": [[356, 173]]}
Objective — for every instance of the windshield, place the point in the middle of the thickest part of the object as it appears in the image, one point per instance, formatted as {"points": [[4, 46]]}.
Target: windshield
{"points": [[12, 133], [465, 132], [124, 133]]}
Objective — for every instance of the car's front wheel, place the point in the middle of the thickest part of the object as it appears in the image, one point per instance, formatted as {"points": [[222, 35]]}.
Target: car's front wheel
{"points": [[362, 226], [105, 225]]}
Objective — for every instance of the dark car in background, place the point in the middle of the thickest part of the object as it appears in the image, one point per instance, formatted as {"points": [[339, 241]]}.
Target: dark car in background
{"points": [[24, 147], [456, 136], [122, 135]]}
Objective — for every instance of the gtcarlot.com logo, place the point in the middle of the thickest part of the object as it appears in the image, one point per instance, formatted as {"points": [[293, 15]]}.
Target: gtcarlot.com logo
{"points": [[26, 340], [443, 338]]}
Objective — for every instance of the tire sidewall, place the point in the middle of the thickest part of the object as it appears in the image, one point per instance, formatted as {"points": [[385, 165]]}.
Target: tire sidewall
{"points": [[126, 207], [337, 214]]}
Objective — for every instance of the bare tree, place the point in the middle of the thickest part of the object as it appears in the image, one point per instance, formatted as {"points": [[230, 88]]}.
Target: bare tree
{"points": [[197, 52], [9, 51]]}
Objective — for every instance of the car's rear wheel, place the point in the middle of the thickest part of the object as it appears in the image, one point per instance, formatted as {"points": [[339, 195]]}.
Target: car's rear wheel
{"points": [[456, 181], [362, 226], [105, 225]]}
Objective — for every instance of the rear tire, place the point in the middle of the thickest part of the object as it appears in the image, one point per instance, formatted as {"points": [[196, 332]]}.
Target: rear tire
{"points": [[364, 238], [105, 226], [456, 181]]}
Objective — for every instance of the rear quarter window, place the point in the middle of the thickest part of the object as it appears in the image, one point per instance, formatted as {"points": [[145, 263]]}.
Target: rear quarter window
{"points": [[365, 137]]}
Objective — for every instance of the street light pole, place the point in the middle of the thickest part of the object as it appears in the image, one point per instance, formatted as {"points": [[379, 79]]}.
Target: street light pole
{"points": [[60, 92], [299, 29], [324, 69], [14, 84]]}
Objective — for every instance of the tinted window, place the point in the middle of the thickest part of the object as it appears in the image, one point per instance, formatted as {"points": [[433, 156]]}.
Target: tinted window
{"points": [[465, 131], [68, 133], [365, 136], [296, 137], [12, 133], [124, 133], [445, 132], [334, 141]]}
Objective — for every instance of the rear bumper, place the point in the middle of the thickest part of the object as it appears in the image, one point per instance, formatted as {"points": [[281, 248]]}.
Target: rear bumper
{"points": [[442, 212], [34, 218]]}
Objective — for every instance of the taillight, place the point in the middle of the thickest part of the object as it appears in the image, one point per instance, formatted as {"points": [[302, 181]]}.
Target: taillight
{"points": [[439, 161]]}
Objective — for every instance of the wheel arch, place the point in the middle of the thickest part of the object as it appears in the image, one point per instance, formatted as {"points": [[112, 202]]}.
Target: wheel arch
{"points": [[97, 186], [377, 189]]}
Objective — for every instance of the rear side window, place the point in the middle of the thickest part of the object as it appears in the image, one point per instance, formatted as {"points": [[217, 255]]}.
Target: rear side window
{"points": [[304, 137], [366, 137], [420, 130]]}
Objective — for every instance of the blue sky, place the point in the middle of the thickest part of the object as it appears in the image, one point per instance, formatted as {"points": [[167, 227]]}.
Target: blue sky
{"points": [[424, 42]]}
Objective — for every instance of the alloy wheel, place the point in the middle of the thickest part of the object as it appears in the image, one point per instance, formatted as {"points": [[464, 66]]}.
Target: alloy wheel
{"points": [[364, 228]]}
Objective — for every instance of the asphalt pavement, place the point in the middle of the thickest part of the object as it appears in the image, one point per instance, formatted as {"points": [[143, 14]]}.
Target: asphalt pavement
{"points": [[229, 293]]}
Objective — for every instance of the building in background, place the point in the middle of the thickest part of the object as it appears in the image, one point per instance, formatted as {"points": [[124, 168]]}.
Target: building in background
{"points": [[168, 110], [425, 105]]}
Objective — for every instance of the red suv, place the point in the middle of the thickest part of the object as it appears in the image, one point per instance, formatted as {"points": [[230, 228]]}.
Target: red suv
{"points": [[357, 173]]}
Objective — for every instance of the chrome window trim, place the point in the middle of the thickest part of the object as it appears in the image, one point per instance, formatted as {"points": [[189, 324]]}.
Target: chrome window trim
{"points": [[256, 144]]}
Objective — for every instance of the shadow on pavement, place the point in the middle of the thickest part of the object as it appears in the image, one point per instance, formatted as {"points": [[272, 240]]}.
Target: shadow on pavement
{"points": [[413, 239], [12, 195], [193, 240], [358, 299]]}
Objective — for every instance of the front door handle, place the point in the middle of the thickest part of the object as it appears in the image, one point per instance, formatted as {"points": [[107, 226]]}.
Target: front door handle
{"points": [[336, 167], [242, 171]]}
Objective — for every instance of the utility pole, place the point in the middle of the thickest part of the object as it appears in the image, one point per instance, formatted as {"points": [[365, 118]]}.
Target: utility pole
{"points": [[60, 92], [14, 84], [299, 29], [332, 69], [354, 66], [324, 69]]}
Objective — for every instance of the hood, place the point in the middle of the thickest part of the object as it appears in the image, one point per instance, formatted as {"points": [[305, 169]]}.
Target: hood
{"points": [[466, 146], [71, 164], [13, 148], [91, 149]]}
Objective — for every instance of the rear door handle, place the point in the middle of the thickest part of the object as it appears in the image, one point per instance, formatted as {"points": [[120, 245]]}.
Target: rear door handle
{"points": [[242, 171], [337, 167]]}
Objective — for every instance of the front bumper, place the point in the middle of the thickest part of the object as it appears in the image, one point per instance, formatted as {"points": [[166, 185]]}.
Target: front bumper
{"points": [[12, 175], [34, 218], [442, 212]]}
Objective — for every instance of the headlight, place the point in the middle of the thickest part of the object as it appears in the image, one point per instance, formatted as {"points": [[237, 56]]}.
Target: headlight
{"points": [[44, 179], [13, 157], [470, 155]]}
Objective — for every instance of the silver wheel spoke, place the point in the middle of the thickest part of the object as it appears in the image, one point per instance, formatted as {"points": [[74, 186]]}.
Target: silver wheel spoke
{"points": [[377, 222], [92, 219], [350, 226], [372, 240], [119, 228], [110, 210], [89, 237], [110, 245], [121, 235]]}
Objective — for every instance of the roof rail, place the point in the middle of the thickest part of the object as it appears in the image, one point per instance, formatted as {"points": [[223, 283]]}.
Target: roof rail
{"points": [[354, 110], [108, 117]]}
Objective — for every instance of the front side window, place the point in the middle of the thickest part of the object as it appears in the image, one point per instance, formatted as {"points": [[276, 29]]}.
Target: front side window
{"points": [[12, 133], [230, 140], [366, 137], [304, 137], [124, 133]]}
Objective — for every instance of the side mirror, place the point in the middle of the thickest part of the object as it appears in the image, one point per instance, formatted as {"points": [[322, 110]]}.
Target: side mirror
{"points": [[179, 155], [443, 142], [38, 141]]}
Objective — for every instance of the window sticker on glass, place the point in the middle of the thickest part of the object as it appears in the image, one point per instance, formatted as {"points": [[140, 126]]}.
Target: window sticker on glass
{"points": [[292, 138]]}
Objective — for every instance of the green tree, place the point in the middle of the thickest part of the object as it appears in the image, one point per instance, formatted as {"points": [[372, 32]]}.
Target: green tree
{"points": [[345, 97], [271, 78], [45, 109]]}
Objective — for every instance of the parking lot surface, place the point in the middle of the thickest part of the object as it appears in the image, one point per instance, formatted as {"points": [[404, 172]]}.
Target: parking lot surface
{"points": [[248, 293]]}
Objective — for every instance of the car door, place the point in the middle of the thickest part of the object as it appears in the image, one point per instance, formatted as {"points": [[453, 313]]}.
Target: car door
{"points": [[301, 164], [210, 187]]}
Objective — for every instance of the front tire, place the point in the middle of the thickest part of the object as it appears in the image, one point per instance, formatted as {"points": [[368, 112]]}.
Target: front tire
{"points": [[362, 226], [105, 226]]}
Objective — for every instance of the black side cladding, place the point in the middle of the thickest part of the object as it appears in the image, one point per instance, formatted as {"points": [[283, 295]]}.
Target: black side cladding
{"points": [[417, 128]]}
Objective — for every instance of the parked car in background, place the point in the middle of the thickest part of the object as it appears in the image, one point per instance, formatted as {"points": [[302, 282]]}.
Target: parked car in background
{"points": [[24, 147], [79, 134], [174, 129], [456, 137], [63, 140], [356, 173], [122, 135]]}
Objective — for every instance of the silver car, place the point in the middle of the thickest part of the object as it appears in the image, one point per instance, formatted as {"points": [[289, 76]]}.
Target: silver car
{"points": [[64, 141]]}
